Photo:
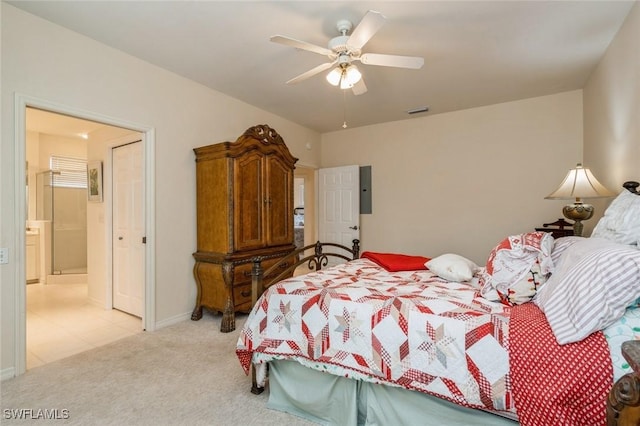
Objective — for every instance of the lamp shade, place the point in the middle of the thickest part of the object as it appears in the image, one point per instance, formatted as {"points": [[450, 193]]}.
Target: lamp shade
{"points": [[345, 75], [344, 83], [580, 183], [334, 76], [353, 75]]}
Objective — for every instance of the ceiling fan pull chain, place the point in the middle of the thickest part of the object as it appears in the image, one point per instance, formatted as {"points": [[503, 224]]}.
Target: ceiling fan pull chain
{"points": [[344, 104]]}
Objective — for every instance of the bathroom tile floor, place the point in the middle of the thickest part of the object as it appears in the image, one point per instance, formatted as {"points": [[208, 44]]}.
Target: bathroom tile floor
{"points": [[62, 321]]}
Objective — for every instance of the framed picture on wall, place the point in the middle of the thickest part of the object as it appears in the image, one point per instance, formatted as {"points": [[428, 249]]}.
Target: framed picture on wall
{"points": [[94, 181]]}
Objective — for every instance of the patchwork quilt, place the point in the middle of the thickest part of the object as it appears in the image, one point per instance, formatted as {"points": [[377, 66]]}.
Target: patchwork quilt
{"points": [[415, 330], [408, 328]]}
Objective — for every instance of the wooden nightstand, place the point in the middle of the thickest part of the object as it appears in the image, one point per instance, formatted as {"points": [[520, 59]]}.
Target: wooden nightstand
{"points": [[559, 228]]}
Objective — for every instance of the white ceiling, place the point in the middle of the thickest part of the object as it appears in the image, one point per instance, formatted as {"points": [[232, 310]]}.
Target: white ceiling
{"points": [[476, 52]]}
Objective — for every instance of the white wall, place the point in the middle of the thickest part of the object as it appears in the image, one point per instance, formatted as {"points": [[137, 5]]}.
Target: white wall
{"points": [[460, 182], [612, 110], [47, 62]]}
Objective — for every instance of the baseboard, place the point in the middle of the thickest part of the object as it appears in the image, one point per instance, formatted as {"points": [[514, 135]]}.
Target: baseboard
{"points": [[98, 303], [7, 373], [173, 320], [67, 279]]}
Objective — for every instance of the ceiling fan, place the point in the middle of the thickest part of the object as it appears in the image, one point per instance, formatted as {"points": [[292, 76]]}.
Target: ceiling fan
{"points": [[345, 49]]}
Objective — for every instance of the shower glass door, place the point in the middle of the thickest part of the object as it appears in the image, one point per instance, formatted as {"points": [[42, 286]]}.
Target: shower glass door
{"points": [[66, 207]]}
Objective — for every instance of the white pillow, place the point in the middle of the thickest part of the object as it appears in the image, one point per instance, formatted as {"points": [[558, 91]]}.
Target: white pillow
{"points": [[593, 284], [452, 267], [621, 220]]}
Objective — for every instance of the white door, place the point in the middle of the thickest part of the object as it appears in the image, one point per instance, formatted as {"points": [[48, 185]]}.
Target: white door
{"points": [[339, 205], [128, 228]]}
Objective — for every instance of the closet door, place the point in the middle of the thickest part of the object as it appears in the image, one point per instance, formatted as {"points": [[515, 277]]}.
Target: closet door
{"points": [[249, 202], [128, 228], [279, 212]]}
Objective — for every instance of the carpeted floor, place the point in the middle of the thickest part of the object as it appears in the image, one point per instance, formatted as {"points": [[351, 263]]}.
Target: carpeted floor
{"points": [[186, 374]]}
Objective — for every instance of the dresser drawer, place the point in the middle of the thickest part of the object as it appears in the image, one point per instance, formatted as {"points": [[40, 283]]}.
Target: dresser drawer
{"points": [[242, 297], [242, 281]]}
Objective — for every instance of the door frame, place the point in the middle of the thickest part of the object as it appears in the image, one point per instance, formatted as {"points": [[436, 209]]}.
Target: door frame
{"points": [[21, 102]]}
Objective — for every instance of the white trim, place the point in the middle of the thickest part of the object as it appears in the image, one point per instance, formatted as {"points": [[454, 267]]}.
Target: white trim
{"points": [[21, 102], [7, 373], [19, 219], [174, 320]]}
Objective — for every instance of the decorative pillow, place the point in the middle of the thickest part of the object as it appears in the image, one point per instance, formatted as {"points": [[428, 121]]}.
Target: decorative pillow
{"points": [[621, 220], [518, 266], [394, 262], [591, 288], [452, 267]]}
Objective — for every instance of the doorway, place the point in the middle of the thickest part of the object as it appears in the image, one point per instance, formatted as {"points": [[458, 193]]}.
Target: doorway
{"points": [[339, 205], [305, 203], [25, 159]]}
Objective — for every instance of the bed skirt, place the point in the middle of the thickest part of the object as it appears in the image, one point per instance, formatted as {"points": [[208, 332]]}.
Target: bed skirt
{"points": [[332, 400]]}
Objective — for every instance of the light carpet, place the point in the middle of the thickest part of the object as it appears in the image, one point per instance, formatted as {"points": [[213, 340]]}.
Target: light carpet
{"points": [[185, 374]]}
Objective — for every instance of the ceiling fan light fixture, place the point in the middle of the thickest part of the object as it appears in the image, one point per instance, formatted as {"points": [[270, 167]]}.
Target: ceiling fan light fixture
{"points": [[352, 75], [344, 83], [335, 76]]}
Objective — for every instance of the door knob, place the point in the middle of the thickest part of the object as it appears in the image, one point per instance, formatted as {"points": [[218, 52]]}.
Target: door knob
{"points": [[120, 238], [355, 228]]}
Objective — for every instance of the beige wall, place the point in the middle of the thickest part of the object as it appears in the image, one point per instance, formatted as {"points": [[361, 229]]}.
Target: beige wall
{"points": [[460, 182], [47, 62], [612, 110]]}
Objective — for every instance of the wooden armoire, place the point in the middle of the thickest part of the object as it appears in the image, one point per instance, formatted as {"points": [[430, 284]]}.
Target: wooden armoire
{"points": [[244, 210]]}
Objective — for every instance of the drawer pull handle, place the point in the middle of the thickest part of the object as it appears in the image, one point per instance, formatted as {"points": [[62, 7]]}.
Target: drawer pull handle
{"points": [[282, 265], [245, 293]]}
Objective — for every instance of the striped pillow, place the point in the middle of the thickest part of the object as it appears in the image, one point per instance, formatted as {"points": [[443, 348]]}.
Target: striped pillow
{"points": [[560, 245], [594, 282]]}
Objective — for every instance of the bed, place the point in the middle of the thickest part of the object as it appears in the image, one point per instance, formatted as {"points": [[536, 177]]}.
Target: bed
{"points": [[395, 339]]}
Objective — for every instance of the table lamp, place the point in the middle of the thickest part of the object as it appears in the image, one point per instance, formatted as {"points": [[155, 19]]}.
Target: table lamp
{"points": [[579, 183]]}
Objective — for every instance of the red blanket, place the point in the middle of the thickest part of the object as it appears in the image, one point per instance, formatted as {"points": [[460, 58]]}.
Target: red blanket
{"points": [[397, 262], [556, 385]]}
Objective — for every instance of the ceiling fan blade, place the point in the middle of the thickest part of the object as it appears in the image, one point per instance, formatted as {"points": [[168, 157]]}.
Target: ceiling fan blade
{"points": [[370, 24], [311, 72], [288, 41], [412, 62], [359, 88]]}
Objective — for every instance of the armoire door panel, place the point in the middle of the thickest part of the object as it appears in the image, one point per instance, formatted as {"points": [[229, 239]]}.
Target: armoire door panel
{"points": [[249, 202], [280, 202]]}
